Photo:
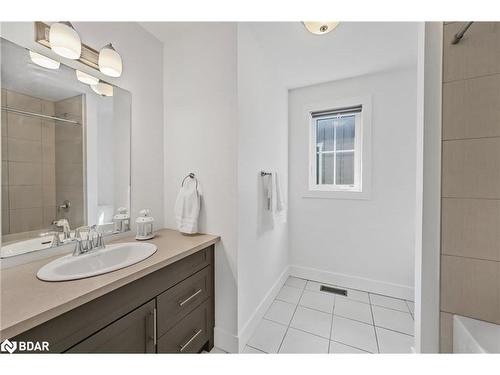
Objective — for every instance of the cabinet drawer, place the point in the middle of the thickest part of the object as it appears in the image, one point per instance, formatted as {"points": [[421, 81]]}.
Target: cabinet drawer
{"points": [[178, 301], [189, 335]]}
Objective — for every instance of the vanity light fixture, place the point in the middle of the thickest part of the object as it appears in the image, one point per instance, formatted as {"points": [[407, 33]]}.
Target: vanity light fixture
{"points": [[64, 40], [86, 78], [110, 61], [320, 28], [44, 61], [103, 89]]}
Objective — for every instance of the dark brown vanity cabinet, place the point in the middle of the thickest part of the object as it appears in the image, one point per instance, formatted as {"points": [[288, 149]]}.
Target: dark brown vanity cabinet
{"points": [[133, 333], [168, 311]]}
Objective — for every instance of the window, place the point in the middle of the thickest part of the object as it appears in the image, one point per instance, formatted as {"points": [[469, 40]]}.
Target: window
{"points": [[336, 150]]}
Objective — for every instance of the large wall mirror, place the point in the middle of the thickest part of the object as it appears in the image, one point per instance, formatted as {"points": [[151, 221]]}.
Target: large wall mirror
{"points": [[65, 152]]}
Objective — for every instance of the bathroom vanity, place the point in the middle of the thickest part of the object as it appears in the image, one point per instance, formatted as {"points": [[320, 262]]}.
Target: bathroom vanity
{"points": [[163, 304]]}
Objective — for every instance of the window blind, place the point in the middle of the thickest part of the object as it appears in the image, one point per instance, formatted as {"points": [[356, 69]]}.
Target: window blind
{"points": [[337, 112]]}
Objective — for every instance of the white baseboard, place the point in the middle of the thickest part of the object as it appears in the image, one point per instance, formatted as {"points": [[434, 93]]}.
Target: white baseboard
{"points": [[225, 340], [353, 282], [254, 320]]}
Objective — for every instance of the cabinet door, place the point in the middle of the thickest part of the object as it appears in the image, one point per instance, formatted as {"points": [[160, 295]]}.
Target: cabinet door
{"points": [[133, 333]]}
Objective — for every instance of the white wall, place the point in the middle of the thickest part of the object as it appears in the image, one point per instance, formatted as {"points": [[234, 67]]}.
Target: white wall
{"points": [[262, 145], [142, 76], [428, 223], [366, 244], [201, 125]]}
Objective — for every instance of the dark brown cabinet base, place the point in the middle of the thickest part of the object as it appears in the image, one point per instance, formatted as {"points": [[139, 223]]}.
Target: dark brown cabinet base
{"points": [[168, 311]]}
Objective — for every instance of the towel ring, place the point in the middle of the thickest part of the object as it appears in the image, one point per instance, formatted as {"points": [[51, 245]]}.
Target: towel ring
{"points": [[192, 176]]}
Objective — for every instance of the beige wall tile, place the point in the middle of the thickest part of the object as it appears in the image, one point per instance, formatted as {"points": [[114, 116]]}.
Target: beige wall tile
{"points": [[24, 150], [49, 215], [70, 108], [470, 287], [5, 173], [471, 228], [5, 148], [48, 174], [471, 108], [48, 154], [446, 336], [68, 133], [23, 102], [5, 222], [48, 107], [478, 53], [49, 195], [3, 120], [25, 196], [21, 173], [471, 168], [48, 132], [3, 97], [69, 152], [25, 219], [24, 127], [69, 175], [5, 198]]}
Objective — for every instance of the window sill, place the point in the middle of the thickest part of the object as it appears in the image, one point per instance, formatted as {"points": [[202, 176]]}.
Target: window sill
{"points": [[337, 194]]}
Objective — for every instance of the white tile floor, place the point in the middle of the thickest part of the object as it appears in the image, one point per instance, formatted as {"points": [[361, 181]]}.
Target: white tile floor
{"points": [[303, 319]]}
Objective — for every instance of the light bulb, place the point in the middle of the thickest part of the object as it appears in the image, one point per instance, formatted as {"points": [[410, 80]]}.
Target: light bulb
{"points": [[86, 78], [64, 40], [44, 61], [320, 28], [110, 61], [102, 89]]}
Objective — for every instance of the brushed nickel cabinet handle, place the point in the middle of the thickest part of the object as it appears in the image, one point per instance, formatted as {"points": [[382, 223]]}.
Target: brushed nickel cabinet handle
{"points": [[183, 347], [182, 303]]}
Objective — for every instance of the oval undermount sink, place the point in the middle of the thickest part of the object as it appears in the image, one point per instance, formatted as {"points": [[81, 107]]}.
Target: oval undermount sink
{"points": [[97, 262]]}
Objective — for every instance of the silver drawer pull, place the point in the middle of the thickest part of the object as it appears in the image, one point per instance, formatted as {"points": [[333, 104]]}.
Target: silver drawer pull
{"points": [[182, 303], [183, 347]]}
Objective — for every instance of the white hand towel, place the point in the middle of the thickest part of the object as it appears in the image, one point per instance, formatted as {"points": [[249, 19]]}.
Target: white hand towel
{"points": [[187, 207], [278, 201]]}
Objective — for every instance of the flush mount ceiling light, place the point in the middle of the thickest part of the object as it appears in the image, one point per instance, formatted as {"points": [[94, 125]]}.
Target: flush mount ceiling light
{"points": [[320, 28], [110, 61], [86, 78], [102, 89], [43, 61], [64, 40]]}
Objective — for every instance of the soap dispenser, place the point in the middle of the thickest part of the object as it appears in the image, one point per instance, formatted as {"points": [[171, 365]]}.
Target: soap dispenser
{"points": [[144, 226]]}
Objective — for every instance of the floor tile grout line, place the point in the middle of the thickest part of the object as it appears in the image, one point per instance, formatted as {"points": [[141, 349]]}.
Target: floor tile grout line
{"points": [[351, 346], [374, 329], [389, 308], [253, 347], [288, 327], [393, 330]]}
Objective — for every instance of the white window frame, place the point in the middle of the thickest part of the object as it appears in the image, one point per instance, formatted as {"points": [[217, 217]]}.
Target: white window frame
{"points": [[362, 146], [356, 186]]}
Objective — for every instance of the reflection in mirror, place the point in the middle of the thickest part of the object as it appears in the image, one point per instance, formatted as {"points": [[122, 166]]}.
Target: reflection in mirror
{"points": [[65, 152]]}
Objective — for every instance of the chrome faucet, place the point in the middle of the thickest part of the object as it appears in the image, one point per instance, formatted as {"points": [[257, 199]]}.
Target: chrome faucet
{"points": [[94, 241], [64, 224]]}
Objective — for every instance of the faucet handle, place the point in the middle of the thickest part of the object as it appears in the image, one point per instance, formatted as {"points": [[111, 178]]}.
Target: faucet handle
{"points": [[79, 249]]}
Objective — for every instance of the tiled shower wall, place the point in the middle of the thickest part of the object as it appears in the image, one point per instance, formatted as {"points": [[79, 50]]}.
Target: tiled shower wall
{"points": [[470, 238], [69, 160], [28, 165]]}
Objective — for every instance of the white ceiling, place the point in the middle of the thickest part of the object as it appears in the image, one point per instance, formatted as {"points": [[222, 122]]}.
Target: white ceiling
{"points": [[352, 49]]}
